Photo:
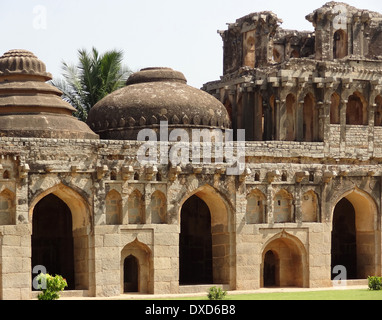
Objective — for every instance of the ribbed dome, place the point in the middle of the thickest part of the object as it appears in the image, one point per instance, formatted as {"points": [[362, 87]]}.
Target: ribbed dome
{"points": [[30, 107], [153, 95], [22, 62]]}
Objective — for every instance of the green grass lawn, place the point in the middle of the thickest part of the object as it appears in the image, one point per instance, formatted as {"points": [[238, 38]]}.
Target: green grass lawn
{"points": [[310, 295], [314, 295]]}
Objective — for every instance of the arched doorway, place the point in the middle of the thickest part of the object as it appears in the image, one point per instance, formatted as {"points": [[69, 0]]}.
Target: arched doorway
{"points": [[344, 239], [136, 268], [52, 238], [284, 263], [354, 243], [195, 244], [130, 274]]}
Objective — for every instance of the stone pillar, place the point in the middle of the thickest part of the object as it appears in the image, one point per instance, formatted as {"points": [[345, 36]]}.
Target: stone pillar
{"points": [[300, 121], [258, 117], [322, 116], [268, 121], [371, 121], [270, 205], [281, 117], [297, 205], [240, 109], [232, 98], [147, 197], [248, 116], [324, 129], [343, 107]]}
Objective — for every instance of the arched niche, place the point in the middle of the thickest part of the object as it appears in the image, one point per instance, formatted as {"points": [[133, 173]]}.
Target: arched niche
{"points": [[284, 262], [141, 264]]}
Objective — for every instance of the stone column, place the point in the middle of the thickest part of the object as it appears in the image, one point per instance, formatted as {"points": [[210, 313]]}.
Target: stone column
{"points": [[297, 204], [371, 121], [258, 117], [343, 107], [232, 98], [248, 116], [281, 117], [240, 109], [300, 121], [147, 197], [270, 205], [324, 130]]}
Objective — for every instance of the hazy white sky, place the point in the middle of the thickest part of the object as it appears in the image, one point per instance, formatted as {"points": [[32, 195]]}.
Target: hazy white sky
{"points": [[152, 33]]}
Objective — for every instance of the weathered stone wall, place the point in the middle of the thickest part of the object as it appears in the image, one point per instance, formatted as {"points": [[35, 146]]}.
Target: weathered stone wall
{"points": [[83, 172]]}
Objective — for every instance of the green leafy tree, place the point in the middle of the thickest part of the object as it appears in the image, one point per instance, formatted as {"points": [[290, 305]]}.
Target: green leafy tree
{"points": [[94, 77]]}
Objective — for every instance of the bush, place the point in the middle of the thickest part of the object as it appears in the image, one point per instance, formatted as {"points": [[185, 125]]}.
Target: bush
{"points": [[375, 283], [50, 286], [216, 294]]}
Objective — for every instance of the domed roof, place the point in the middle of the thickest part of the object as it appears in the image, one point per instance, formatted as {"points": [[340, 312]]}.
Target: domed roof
{"points": [[15, 62], [30, 107], [151, 96]]}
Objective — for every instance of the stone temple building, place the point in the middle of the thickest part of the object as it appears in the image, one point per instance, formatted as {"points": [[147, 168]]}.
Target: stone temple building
{"points": [[75, 198]]}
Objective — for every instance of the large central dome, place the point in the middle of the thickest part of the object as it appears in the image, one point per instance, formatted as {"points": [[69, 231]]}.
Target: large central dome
{"points": [[151, 96]]}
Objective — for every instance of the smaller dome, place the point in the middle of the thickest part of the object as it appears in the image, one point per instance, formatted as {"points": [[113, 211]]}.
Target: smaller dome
{"points": [[22, 62], [153, 95], [156, 75], [30, 107]]}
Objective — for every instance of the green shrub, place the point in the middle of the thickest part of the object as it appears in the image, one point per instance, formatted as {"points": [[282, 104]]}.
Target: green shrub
{"points": [[216, 294], [50, 286], [375, 283]]}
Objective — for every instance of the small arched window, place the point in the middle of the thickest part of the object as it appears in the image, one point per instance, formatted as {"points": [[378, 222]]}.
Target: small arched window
{"points": [[310, 119], [249, 49], [6, 175], [158, 208], [283, 207], [309, 207], [7, 208], [136, 208], [255, 207], [356, 111], [113, 208], [340, 46]]}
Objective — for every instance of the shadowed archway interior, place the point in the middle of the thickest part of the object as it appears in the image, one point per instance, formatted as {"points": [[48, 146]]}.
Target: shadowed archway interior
{"points": [[52, 238], [195, 249], [131, 274], [344, 238]]}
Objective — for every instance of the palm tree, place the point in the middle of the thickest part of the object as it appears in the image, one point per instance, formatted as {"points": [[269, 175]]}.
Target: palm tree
{"points": [[92, 79]]}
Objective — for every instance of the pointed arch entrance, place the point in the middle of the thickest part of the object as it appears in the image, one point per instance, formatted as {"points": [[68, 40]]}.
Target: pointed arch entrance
{"points": [[63, 213], [354, 235], [205, 213], [195, 248], [137, 271], [284, 263], [52, 238]]}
